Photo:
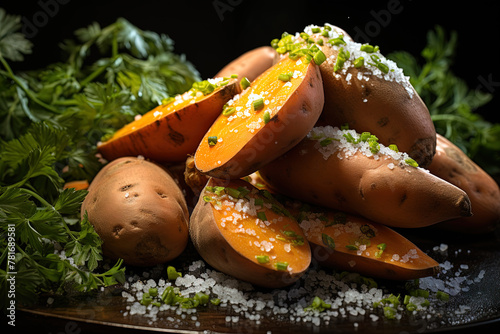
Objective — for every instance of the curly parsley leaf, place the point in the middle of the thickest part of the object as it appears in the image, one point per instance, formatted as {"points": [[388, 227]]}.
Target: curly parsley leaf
{"points": [[453, 105]]}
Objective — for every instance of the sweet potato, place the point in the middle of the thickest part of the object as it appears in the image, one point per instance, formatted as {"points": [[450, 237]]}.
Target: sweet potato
{"points": [[250, 64], [451, 164], [351, 172], [171, 131], [368, 92], [351, 243], [138, 211], [243, 232], [268, 118]]}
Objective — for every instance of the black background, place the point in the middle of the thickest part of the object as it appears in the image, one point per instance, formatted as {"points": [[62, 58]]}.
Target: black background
{"points": [[211, 33]]}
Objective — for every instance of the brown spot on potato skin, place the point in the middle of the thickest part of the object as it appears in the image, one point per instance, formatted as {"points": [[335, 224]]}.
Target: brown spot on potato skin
{"points": [[383, 121], [116, 231]]}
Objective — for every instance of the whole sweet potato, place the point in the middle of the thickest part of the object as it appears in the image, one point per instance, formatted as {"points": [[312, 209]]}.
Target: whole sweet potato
{"points": [[352, 172], [138, 211], [369, 92], [250, 64], [451, 164]]}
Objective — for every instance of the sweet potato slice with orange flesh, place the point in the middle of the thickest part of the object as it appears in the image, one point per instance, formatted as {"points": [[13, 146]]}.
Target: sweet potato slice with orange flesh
{"points": [[171, 131], [243, 232], [264, 121], [250, 64], [351, 172], [451, 164], [369, 92], [351, 243]]}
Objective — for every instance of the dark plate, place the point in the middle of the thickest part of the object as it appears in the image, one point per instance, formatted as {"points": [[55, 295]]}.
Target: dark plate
{"points": [[471, 263]]}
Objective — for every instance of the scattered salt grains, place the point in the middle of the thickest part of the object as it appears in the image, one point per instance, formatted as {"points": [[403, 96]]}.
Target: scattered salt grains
{"points": [[241, 301]]}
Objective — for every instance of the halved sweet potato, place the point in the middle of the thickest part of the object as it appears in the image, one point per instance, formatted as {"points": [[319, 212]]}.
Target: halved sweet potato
{"points": [[351, 243], [368, 92], [245, 233], [451, 164], [351, 172], [250, 64], [171, 131], [268, 118]]}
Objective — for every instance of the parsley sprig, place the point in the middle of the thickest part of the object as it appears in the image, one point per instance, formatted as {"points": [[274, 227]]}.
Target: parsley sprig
{"points": [[51, 119], [453, 105]]}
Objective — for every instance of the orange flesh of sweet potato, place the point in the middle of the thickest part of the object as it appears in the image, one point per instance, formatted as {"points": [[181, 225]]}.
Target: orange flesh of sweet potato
{"points": [[238, 144], [351, 243], [169, 132], [382, 189], [451, 164], [247, 237]]}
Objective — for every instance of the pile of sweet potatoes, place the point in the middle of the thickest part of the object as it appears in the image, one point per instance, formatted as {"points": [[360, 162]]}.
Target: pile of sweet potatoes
{"points": [[311, 148]]}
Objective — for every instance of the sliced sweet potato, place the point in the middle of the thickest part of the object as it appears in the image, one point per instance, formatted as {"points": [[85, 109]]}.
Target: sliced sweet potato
{"points": [[171, 131], [368, 92], [351, 243], [268, 118], [250, 64], [351, 172], [451, 164], [245, 233]]}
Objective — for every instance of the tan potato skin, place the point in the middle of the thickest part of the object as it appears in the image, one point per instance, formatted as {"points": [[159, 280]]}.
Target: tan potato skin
{"points": [[250, 64], [381, 107], [218, 253], [175, 136], [377, 106], [451, 164], [138, 211], [401, 197], [294, 120]]}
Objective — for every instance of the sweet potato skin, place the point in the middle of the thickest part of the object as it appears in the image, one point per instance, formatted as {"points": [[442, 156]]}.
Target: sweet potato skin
{"points": [[378, 106], [173, 137], [451, 164], [138, 211], [250, 64], [218, 253], [366, 100], [403, 196], [285, 129]]}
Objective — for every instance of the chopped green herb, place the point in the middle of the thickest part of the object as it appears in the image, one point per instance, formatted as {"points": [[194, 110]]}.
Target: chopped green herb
{"points": [[282, 266], [262, 258], [258, 104], [318, 305], [245, 83], [212, 140], [172, 273], [328, 240], [267, 117]]}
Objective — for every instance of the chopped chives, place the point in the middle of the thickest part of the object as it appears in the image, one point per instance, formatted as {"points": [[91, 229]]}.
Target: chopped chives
{"points": [[267, 117], [262, 215], [319, 57], [228, 111], [212, 140], [258, 104], [262, 258], [281, 265], [245, 83]]}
